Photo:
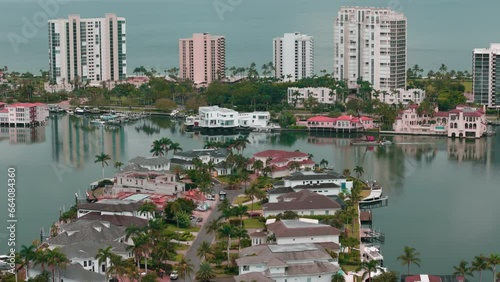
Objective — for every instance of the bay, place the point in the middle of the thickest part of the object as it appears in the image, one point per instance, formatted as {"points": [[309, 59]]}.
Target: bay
{"points": [[443, 193]]}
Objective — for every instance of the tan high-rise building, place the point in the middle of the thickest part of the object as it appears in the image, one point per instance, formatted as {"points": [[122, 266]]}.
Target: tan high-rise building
{"points": [[92, 50], [202, 58]]}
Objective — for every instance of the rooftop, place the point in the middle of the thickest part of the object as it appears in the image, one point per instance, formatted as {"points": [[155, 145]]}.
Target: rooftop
{"points": [[118, 220], [280, 154], [111, 205], [302, 200], [215, 153], [281, 190], [288, 253], [149, 161], [311, 175], [75, 272], [89, 249], [294, 228], [87, 230]]}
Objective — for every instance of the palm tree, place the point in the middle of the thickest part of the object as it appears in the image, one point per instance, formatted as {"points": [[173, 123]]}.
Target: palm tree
{"points": [[479, 264], [240, 211], [176, 208], [55, 260], [369, 267], [175, 147], [148, 209], [41, 258], [409, 256], [462, 269], [203, 250], [157, 149], [254, 192], [241, 233], [133, 231], [27, 254], [165, 144], [118, 165], [102, 158], [213, 226], [323, 163], [138, 248], [294, 166], [346, 172], [359, 171], [493, 261], [102, 257], [205, 273], [184, 268], [257, 166], [227, 230]]}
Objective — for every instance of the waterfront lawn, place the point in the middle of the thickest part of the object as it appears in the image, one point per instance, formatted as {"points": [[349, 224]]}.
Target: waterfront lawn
{"points": [[240, 200], [253, 223], [173, 227]]}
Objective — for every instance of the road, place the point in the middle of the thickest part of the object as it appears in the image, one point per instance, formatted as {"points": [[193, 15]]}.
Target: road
{"points": [[202, 235]]}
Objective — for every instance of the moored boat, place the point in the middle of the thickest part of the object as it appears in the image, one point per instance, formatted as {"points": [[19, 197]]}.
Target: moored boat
{"points": [[79, 111], [97, 122], [370, 141], [192, 121]]}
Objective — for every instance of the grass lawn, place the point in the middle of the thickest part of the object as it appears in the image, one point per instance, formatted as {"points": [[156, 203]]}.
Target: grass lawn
{"points": [[190, 229], [179, 257], [256, 206], [253, 223], [468, 86], [181, 247], [223, 179], [240, 200], [346, 268]]}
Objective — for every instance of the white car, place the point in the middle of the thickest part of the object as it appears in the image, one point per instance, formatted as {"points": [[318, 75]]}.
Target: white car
{"points": [[211, 197], [174, 275]]}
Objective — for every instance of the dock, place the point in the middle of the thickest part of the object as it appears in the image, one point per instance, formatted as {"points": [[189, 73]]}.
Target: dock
{"points": [[371, 235]]}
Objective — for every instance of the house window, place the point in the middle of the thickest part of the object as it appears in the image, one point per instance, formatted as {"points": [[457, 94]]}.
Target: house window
{"points": [[246, 268], [84, 263], [312, 212]]}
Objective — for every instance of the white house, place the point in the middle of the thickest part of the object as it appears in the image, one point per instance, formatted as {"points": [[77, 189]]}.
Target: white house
{"points": [[303, 202], [280, 161], [216, 156], [403, 96], [322, 95], [292, 262], [113, 207], [254, 119], [71, 273], [213, 117], [302, 232], [148, 182], [87, 230], [150, 163]]}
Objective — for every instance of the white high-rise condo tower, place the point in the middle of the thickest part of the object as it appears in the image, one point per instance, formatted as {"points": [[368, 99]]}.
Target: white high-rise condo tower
{"points": [[87, 50], [486, 76], [370, 44], [293, 56]]}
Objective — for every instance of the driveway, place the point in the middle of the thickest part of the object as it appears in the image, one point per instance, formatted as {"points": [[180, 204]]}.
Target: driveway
{"points": [[202, 235]]}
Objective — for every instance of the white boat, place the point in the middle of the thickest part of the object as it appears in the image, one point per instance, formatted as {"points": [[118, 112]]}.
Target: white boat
{"points": [[97, 122], [372, 253], [86, 109], [107, 117], [70, 112], [174, 113], [376, 194], [192, 121], [79, 111], [95, 111]]}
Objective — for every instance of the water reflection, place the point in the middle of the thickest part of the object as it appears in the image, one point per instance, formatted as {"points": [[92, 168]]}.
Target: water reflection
{"points": [[23, 135], [76, 141]]}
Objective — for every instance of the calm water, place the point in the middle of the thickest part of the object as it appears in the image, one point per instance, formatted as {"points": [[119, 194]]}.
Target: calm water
{"points": [[437, 31], [443, 193]]}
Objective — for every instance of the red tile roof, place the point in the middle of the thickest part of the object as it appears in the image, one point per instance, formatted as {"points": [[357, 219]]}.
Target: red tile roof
{"points": [[280, 154], [321, 119], [473, 114], [344, 117], [4, 110], [413, 106], [441, 114], [417, 278]]}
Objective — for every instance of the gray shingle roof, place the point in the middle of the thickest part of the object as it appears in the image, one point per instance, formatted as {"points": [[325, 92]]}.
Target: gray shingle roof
{"points": [[118, 220], [74, 272], [262, 254], [281, 190], [214, 153], [315, 186], [252, 276], [87, 230], [89, 249], [293, 228], [313, 176], [302, 200], [111, 206], [149, 161]]}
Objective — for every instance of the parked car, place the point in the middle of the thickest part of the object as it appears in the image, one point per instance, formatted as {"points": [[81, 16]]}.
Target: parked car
{"points": [[174, 275], [211, 197], [253, 214]]}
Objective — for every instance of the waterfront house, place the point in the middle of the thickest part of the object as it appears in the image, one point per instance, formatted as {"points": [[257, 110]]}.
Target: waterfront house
{"points": [[303, 202], [213, 117], [118, 220], [23, 114], [463, 121], [343, 123], [290, 262], [125, 207], [328, 183], [84, 253], [87, 230], [402, 96], [280, 161], [321, 95], [150, 163], [70, 273], [146, 181], [254, 119], [216, 156]]}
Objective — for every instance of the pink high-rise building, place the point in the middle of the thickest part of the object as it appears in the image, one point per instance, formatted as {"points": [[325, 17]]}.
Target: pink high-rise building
{"points": [[202, 58]]}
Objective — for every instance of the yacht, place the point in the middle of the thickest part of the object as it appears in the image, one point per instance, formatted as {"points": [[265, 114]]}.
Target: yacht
{"points": [[70, 112], [174, 113], [86, 109], [376, 194], [372, 253], [97, 122], [95, 111], [79, 111], [109, 116], [192, 121]]}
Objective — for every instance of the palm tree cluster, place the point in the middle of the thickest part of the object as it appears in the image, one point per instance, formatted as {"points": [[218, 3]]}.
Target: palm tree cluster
{"points": [[103, 159], [479, 264], [239, 144], [54, 259], [162, 146]]}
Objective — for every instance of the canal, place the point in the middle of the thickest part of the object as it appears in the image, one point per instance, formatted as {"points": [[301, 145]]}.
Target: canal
{"points": [[443, 193]]}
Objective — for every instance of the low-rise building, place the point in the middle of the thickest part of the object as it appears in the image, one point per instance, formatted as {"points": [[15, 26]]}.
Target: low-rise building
{"points": [[113, 207], [343, 123], [463, 121], [149, 163], [280, 161], [327, 183], [23, 114], [291, 262], [402, 96], [214, 117], [216, 156], [303, 202], [148, 182], [321, 95], [254, 119]]}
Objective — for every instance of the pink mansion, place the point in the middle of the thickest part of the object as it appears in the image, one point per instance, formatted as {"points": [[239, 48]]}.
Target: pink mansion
{"points": [[23, 114], [463, 121]]}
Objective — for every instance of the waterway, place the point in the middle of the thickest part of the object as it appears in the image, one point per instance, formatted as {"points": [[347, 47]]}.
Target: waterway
{"points": [[443, 193]]}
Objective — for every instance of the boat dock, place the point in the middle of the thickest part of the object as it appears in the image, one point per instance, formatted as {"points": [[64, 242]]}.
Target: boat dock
{"points": [[371, 235]]}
